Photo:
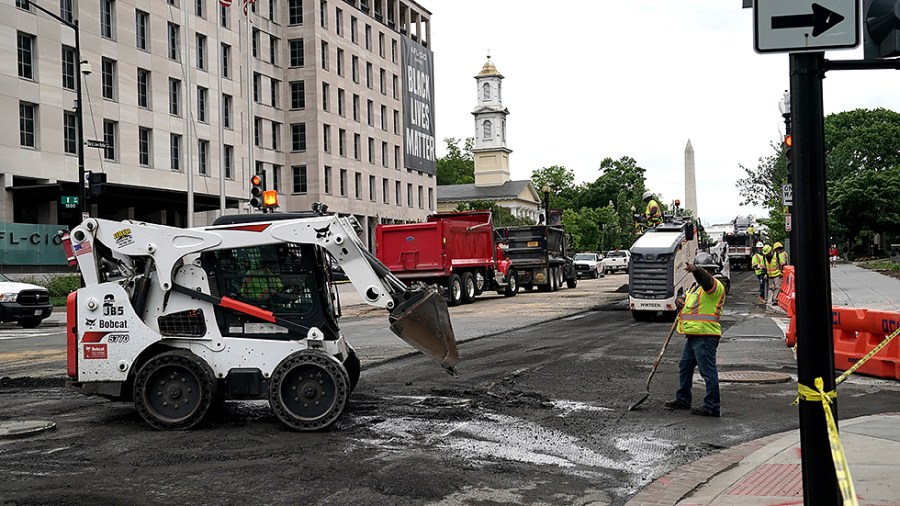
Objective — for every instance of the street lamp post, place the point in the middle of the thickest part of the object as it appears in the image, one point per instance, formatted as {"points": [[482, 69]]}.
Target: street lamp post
{"points": [[546, 190], [79, 115]]}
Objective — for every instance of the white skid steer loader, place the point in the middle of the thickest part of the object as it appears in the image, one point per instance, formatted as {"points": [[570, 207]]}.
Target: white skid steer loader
{"points": [[178, 320]]}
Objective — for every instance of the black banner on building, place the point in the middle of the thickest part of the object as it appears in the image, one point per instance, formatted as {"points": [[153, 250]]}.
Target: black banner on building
{"points": [[418, 107]]}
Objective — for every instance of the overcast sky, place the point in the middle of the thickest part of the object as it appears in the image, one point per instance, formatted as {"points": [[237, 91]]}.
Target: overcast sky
{"points": [[585, 80]]}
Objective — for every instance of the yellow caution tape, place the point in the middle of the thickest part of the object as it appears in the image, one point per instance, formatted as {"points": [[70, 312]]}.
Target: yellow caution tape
{"points": [[841, 470], [863, 360]]}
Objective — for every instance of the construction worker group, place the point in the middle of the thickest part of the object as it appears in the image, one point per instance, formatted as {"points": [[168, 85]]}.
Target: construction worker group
{"points": [[767, 263]]}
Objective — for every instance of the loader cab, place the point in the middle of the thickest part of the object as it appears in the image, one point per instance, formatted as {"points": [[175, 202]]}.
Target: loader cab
{"points": [[290, 280]]}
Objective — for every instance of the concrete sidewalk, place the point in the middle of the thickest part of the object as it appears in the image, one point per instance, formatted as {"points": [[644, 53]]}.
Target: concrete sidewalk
{"points": [[767, 471]]}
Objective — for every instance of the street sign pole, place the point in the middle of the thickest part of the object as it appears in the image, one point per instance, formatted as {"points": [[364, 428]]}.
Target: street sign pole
{"points": [[815, 348]]}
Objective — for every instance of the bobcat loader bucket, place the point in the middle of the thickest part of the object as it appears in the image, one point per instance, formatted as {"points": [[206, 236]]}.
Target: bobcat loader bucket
{"points": [[423, 321]]}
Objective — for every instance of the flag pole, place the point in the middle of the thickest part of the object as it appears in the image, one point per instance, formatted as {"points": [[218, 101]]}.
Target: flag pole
{"points": [[222, 11]]}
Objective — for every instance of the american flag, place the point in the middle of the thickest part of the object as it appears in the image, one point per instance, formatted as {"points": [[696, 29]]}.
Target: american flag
{"points": [[247, 5], [82, 248], [225, 3]]}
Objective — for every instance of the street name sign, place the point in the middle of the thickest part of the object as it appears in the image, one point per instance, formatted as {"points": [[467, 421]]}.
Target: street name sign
{"points": [[797, 26], [91, 143]]}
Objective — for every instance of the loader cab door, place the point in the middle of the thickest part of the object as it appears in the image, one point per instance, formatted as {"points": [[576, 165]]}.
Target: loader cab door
{"points": [[290, 280]]}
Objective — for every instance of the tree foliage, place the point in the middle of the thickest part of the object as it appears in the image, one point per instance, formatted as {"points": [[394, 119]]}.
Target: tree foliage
{"points": [[458, 165]]}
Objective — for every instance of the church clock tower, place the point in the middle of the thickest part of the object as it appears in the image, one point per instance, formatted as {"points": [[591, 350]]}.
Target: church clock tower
{"points": [[491, 154]]}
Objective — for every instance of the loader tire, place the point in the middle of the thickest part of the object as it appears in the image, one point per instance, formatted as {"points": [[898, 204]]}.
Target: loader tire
{"points": [[309, 390], [174, 390]]}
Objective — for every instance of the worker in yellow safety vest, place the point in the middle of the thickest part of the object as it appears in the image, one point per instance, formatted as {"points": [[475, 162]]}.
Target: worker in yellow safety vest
{"points": [[781, 253], [759, 267], [653, 213], [773, 272], [699, 321]]}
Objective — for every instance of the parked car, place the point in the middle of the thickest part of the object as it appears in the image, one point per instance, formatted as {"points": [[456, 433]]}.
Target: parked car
{"points": [[588, 265], [617, 260], [23, 303]]}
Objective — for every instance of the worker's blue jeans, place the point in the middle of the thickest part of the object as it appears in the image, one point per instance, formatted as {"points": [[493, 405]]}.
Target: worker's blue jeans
{"points": [[763, 285], [699, 351]]}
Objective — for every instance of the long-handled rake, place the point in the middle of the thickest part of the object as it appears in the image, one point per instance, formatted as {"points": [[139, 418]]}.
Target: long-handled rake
{"points": [[656, 362]]}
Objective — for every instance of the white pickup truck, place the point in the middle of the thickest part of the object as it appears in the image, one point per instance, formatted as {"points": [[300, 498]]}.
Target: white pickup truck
{"points": [[616, 260]]}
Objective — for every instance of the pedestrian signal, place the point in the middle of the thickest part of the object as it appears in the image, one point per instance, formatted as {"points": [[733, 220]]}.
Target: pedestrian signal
{"points": [[257, 187]]}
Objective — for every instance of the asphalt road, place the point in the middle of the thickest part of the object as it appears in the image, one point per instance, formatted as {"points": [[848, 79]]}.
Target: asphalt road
{"points": [[536, 416]]}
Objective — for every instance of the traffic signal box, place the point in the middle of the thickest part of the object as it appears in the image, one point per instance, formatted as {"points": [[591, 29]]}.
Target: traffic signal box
{"points": [[881, 32], [257, 188]]}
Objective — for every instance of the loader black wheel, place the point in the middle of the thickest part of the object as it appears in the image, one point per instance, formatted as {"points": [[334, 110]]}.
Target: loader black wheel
{"points": [[512, 284], [174, 390], [468, 286], [455, 290], [309, 390]]}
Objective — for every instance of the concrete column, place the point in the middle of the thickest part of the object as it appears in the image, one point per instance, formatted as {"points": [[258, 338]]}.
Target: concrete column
{"points": [[6, 200], [396, 7], [428, 33]]}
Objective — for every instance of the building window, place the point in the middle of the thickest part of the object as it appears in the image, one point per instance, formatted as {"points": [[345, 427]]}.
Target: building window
{"points": [[369, 75], [27, 115], [106, 19], [384, 154], [371, 147], [65, 10], [276, 136], [198, 8], [326, 138], [175, 151], [393, 50], [381, 44], [396, 122], [144, 135], [395, 87], [275, 92], [370, 112], [397, 157], [223, 16], [341, 103], [108, 78], [273, 10], [276, 177], [70, 144], [431, 198], [257, 131], [298, 95], [339, 22], [257, 82], [299, 177], [229, 162], [342, 142], [226, 111], [298, 137], [398, 197], [357, 185], [385, 197], [353, 30], [343, 182], [296, 48], [203, 157], [173, 30], [383, 118], [202, 104], [486, 92], [328, 180], [340, 62], [325, 93], [174, 97], [409, 195], [356, 146], [273, 50], [201, 51], [226, 61], [323, 13], [354, 68], [68, 67], [421, 200], [26, 55], [141, 22], [355, 107], [255, 43], [368, 37], [295, 12], [372, 188], [382, 81], [324, 55], [487, 130], [143, 88], [109, 137]]}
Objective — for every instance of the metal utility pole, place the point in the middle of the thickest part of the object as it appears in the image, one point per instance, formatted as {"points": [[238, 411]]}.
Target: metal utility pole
{"points": [[815, 346], [83, 192]]}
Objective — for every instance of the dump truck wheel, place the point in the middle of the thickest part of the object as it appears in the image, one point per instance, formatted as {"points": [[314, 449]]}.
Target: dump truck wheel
{"points": [[512, 284], [468, 288], [174, 390], [309, 390], [480, 282], [455, 290], [572, 282]]}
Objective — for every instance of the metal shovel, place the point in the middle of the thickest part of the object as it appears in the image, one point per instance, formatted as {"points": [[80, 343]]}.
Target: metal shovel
{"points": [[656, 362]]}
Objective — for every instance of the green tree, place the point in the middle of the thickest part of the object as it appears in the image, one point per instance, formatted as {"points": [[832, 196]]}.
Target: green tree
{"points": [[562, 185], [458, 165], [860, 140], [593, 229], [861, 205]]}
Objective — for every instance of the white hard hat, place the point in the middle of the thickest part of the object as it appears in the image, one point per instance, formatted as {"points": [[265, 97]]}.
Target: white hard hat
{"points": [[759, 244], [647, 195]]}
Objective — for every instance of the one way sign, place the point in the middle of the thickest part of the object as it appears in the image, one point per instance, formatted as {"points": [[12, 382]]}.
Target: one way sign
{"points": [[794, 26]]}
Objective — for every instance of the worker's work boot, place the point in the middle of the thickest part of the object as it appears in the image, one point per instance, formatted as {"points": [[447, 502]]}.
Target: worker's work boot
{"points": [[676, 404]]}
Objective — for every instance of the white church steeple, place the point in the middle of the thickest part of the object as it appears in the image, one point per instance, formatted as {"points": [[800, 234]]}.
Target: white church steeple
{"points": [[491, 153]]}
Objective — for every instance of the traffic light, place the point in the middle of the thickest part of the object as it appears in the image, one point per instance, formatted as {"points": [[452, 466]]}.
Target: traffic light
{"points": [[788, 144], [881, 29], [257, 187], [96, 180]]}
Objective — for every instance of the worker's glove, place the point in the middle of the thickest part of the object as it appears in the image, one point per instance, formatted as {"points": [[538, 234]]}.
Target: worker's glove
{"points": [[679, 302]]}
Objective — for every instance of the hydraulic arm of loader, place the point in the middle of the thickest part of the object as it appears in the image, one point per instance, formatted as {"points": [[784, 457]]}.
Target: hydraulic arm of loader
{"points": [[420, 317]]}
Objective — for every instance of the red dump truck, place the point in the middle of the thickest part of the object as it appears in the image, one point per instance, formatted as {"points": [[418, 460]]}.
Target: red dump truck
{"points": [[458, 251]]}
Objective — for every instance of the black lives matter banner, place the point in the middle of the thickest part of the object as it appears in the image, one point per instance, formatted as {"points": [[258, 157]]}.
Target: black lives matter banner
{"points": [[418, 107]]}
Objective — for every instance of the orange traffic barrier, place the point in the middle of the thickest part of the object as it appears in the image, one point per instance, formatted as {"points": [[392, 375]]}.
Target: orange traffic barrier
{"points": [[790, 336], [857, 331], [786, 294]]}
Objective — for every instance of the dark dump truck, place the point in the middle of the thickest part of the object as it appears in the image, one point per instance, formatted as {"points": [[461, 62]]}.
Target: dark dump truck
{"points": [[539, 255]]}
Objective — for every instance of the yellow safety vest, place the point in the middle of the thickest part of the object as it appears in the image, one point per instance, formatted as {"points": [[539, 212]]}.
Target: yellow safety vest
{"points": [[782, 258], [773, 267], [701, 311], [759, 263], [654, 216]]}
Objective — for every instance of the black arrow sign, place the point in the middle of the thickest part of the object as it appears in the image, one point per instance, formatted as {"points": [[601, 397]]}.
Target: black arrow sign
{"points": [[821, 20]]}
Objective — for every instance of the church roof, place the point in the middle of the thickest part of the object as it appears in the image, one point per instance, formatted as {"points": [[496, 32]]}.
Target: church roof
{"points": [[489, 69], [462, 192]]}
